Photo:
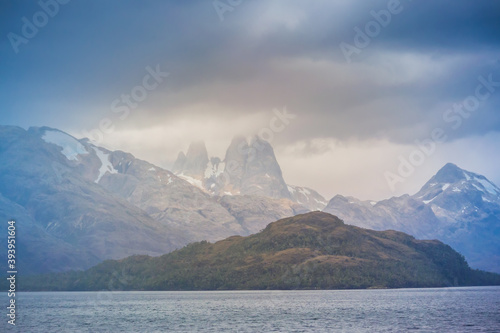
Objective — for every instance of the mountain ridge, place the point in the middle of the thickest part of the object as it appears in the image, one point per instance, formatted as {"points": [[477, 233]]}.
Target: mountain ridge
{"points": [[87, 204], [309, 251], [456, 206], [61, 189]]}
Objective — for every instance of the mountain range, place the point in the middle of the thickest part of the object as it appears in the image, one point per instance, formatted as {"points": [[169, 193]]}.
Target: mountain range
{"points": [[77, 204], [456, 206], [308, 251]]}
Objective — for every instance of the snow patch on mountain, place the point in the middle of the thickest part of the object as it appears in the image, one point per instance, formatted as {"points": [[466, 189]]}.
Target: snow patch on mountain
{"points": [[324, 203], [192, 181], [445, 186], [429, 201], [304, 191], [307, 197], [106, 165], [488, 186], [71, 147], [214, 170], [478, 188]]}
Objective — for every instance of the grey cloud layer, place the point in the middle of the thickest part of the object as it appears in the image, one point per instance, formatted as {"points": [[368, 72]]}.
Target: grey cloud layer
{"points": [[263, 55]]}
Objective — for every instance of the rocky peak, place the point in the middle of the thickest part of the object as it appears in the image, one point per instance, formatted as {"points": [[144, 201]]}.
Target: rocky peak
{"points": [[196, 159], [262, 173], [454, 182], [249, 167], [179, 163], [261, 159], [236, 160], [450, 173]]}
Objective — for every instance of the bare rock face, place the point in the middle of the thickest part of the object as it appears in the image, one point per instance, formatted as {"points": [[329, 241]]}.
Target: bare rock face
{"points": [[248, 168], [196, 159], [235, 161], [179, 163], [262, 172]]}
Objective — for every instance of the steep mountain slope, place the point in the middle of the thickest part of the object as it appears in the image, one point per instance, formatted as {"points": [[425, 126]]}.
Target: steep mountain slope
{"points": [[456, 195], [168, 199], [196, 160], [314, 250], [307, 197], [458, 207], [468, 206], [36, 249], [46, 181]]}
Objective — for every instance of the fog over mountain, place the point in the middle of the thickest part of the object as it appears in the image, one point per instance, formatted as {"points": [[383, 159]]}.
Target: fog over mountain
{"points": [[82, 203], [215, 76]]}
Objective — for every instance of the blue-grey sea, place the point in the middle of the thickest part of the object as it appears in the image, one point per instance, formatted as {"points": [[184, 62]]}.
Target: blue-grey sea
{"points": [[396, 310]]}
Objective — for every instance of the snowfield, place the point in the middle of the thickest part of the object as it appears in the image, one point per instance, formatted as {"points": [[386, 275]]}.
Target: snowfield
{"points": [[71, 147]]}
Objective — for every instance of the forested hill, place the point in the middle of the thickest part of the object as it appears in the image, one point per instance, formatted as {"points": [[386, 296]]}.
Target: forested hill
{"points": [[310, 251]]}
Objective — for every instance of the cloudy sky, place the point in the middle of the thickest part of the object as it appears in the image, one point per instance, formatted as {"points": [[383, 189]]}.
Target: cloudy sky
{"points": [[364, 81]]}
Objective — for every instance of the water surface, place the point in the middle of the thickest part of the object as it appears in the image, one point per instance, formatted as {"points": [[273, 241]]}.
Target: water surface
{"points": [[397, 310]]}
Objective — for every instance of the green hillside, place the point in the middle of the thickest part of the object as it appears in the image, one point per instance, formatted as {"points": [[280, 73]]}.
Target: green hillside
{"points": [[310, 251]]}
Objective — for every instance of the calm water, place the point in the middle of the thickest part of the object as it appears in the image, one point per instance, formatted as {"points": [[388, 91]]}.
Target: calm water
{"points": [[419, 310]]}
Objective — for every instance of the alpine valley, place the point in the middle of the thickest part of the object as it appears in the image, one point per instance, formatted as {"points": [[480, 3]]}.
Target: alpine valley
{"points": [[76, 205]]}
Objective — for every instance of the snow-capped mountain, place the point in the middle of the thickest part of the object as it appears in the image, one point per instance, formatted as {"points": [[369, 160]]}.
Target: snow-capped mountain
{"points": [[80, 204], [48, 183], [77, 204], [248, 168], [457, 195], [456, 206]]}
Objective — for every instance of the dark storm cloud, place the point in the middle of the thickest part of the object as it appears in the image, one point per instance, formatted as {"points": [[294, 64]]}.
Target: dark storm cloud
{"points": [[449, 25], [264, 54]]}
